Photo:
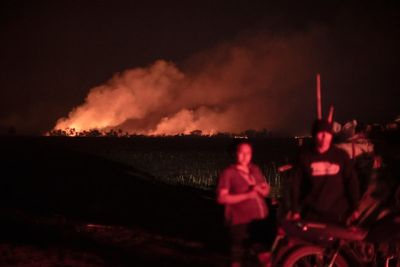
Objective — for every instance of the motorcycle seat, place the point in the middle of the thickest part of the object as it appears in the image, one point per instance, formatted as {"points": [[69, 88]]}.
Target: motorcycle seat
{"points": [[323, 231]]}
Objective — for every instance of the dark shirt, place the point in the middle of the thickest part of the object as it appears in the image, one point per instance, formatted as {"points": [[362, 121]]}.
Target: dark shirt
{"points": [[247, 210], [325, 185]]}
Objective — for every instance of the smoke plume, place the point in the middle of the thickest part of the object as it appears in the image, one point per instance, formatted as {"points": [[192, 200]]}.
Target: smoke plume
{"points": [[257, 83]]}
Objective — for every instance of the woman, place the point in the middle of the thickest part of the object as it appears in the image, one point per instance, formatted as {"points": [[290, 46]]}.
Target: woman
{"points": [[242, 189]]}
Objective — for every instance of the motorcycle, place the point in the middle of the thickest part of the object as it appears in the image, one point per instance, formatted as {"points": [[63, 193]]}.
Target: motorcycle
{"points": [[374, 241], [306, 243]]}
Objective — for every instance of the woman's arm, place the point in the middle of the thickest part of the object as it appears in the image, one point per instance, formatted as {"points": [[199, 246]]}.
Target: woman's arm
{"points": [[225, 198], [263, 189]]}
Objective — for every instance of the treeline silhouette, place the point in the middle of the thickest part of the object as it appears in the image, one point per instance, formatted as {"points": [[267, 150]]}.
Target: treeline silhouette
{"points": [[250, 133]]}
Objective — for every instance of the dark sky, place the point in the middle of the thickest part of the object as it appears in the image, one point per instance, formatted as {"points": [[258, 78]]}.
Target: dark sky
{"points": [[54, 52]]}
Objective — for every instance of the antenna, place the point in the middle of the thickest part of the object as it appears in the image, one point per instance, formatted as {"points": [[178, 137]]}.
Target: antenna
{"points": [[330, 116]]}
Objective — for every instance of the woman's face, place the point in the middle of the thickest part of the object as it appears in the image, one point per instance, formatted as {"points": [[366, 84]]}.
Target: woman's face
{"points": [[244, 153]]}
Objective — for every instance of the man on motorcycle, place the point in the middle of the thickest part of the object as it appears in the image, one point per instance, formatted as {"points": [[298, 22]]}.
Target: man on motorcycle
{"points": [[325, 186]]}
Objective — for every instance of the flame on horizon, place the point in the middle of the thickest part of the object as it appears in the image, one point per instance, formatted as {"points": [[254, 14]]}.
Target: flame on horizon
{"points": [[234, 87]]}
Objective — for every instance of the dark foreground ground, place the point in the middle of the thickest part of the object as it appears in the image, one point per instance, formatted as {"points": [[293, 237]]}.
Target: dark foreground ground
{"points": [[62, 203], [60, 207]]}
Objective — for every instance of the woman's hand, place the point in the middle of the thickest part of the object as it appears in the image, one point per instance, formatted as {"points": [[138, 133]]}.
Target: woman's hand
{"points": [[253, 194]]}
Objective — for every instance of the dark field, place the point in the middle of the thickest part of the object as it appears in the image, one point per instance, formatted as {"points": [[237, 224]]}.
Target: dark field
{"points": [[119, 201]]}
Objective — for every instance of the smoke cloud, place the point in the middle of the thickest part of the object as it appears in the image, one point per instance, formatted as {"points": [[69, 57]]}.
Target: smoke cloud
{"points": [[255, 83]]}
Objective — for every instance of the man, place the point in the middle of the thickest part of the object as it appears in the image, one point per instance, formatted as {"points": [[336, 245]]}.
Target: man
{"points": [[325, 185]]}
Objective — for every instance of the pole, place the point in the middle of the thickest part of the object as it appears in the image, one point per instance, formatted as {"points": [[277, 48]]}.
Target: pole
{"points": [[319, 105]]}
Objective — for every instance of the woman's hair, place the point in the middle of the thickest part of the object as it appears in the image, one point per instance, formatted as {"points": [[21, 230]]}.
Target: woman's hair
{"points": [[243, 142], [237, 142]]}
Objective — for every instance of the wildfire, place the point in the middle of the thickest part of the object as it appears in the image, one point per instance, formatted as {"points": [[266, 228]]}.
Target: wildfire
{"points": [[231, 89]]}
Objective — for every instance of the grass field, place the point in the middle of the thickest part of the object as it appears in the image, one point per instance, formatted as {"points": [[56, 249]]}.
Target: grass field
{"points": [[184, 160]]}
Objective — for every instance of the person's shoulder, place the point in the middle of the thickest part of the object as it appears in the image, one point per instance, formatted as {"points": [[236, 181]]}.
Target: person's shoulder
{"points": [[254, 168], [256, 171], [340, 155], [339, 152]]}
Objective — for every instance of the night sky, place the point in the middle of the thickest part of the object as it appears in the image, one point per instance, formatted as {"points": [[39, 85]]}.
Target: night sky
{"points": [[54, 52]]}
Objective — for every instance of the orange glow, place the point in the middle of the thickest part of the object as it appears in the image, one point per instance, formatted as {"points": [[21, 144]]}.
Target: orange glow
{"points": [[232, 88]]}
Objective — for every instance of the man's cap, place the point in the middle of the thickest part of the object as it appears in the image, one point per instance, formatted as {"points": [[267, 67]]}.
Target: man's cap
{"points": [[321, 126]]}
